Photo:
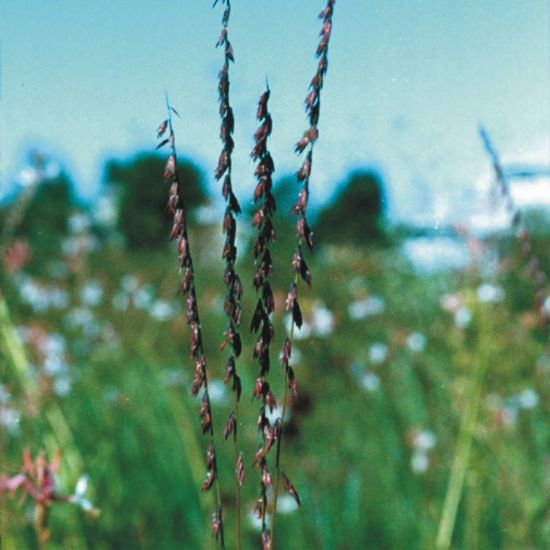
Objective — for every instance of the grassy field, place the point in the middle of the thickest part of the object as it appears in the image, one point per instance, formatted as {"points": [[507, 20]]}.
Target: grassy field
{"points": [[390, 362]]}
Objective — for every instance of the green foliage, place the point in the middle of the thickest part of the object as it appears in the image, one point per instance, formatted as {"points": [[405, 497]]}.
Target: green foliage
{"points": [[49, 209], [143, 215], [351, 446], [44, 219], [356, 215]]}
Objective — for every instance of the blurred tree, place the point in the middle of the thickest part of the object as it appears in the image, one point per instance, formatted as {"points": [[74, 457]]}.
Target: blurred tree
{"points": [[49, 208], [356, 214], [40, 215], [143, 216], [285, 192]]}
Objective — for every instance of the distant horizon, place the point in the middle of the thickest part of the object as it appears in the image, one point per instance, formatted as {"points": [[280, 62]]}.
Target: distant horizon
{"points": [[529, 188]]}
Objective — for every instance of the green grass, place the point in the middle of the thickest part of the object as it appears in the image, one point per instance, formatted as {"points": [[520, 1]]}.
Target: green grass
{"points": [[347, 450]]}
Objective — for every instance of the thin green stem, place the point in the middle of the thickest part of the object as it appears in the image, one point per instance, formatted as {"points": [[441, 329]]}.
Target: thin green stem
{"points": [[277, 463], [15, 216], [463, 449], [13, 348], [182, 414], [473, 510], [279, 442], [17, 357], [238, 492], [219, 497], [238, 516], [60, 436], [175, 179], [217, 480]]}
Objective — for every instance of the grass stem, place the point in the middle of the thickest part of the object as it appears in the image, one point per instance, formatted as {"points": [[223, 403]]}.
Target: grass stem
{"points": [[279, 443], [463, 447]]}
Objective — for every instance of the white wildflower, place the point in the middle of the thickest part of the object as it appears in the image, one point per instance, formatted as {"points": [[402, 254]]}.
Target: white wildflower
{"points": [[378, 353], [79, 316], [462, 317], [53, 344], [286, 504], [296, 356], [217, 392], [528, 399], [62, 386], [416, 342], [144, 297], [299, 333], [370, 382], [419, 462], [28, 176], [322, 320], [490, 293], [129, 283], [424, 440], [4, 395], [9, 419], [91, 293], [161, 310], [79, 222], [254, 521], [367, 307], [106, 211], [54, 365], [79, 496]]}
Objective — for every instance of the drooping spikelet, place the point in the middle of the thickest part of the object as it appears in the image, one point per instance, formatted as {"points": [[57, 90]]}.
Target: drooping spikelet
{"points": [[187, 285]]}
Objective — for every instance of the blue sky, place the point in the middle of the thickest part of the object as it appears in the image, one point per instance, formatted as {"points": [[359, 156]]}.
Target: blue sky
{"points": [[408, 82]]}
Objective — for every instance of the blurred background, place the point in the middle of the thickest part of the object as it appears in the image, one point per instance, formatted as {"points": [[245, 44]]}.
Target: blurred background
{"points": [[422, 292]]}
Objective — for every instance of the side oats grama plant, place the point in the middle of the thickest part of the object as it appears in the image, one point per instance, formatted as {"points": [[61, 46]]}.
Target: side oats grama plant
{"points": [[304, 235], [261, 320], [200, 381], [484, 356], [534, 268], [232, 304]]}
